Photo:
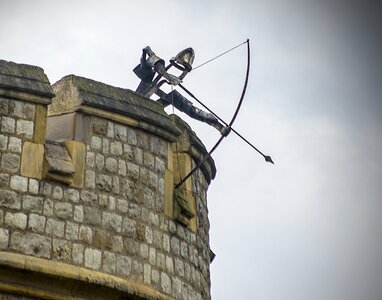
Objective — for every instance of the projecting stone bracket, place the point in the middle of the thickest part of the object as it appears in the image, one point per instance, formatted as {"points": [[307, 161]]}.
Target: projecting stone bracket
{"points": [[63, 162], [182, 210]]}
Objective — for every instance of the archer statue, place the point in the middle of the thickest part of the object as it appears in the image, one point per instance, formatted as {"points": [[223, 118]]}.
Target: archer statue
{"points": [[152, 65]]}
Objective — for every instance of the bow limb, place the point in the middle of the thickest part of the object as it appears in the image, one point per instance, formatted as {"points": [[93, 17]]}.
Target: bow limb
{"points": [[202, 161]]}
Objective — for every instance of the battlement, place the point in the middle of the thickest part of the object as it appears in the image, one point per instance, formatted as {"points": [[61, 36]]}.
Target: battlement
{"points": [[87, 202]]}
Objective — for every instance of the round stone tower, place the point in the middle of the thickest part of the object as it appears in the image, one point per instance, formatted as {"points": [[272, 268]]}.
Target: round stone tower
{"points": [[87, 202]]}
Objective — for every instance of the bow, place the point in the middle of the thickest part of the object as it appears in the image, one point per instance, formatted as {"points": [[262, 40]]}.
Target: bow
{"points": [[202, 161]]}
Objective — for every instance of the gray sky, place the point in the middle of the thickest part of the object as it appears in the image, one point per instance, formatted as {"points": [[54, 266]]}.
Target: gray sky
{"points": [[308, 227]]}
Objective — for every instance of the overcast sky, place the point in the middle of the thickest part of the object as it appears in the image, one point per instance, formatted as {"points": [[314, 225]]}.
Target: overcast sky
{"points": [[308, 227]]}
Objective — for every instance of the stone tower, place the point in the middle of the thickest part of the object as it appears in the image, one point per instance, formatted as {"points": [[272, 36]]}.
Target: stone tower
{"points": [[87, 202]]}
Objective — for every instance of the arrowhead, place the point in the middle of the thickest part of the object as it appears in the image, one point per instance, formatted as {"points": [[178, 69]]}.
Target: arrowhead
{"points": [[268, 159]]}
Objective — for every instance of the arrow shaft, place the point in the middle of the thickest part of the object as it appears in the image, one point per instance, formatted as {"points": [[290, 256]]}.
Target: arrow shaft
{"points": [[220, 119]]}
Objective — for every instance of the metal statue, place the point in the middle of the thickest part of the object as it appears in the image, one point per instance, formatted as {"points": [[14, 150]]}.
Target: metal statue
{"points": [[154, 73]]}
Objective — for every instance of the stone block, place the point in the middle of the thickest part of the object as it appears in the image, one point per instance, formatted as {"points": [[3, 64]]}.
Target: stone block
{"points": [[179, 267], [10, 162], [161, 261], [58, 193], [25, 128], [10, 199], [96, 143], [112, 221], [36, 223], [63, 210], [99, 126], [93, 259], [78, 213], [109, 262], [104, 182], [71, 232], [105, 146], [116, 148], [146, 273], [78, 254], [124, 265], [90, 179], [92, 216], [129, 228], [72, 195], [30, 244], [62, 250], [55, 228], [122, 205], [89, 197], [111, 165], [120, 132], [19, 183], [33, 204], [4, 238], [14, 144], [122, 171], [48, 207], [8, 125], [16, 220], [77, 151], [22, 110], [99, 162], [86, 234], [32, 160], [165, 283], [33, 186], [3, 142], [40, 124], [4, 105], [169, 264], [90, 159]]}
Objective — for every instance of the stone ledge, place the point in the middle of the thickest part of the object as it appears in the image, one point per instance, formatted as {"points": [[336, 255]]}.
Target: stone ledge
{"points": [[26, 275]]}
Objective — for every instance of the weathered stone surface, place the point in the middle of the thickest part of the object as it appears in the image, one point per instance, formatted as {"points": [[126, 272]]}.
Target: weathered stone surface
{"points": [[16, 220], [165, 283], [93, 258], [4, 104], [104, 182], [31, 244], [55, 228], [3, 142], [112, 221], [4, 238], [109, 262], [58, 193], [33, 186], [86, 234], [124, 265], [19, 183], [111, 165], [89, 198], [78, 213], [10, 162], [8, 125], [14, 145], [25, 128], [92, 216], [36, 223], [71, 195], [62, 250], [48, 207], [10, 199], [26, 78], [58, 158], [63, 210], [78, 254], [71, 232], [33, 204], [22, 110]]}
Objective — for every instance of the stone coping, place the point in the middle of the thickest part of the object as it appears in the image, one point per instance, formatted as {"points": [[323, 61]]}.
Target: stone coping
{"points": [[19, 80], [37, 277], [75, 93]]}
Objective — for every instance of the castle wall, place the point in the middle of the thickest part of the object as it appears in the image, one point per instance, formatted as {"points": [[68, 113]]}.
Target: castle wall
{"points": [[110, 222]]}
